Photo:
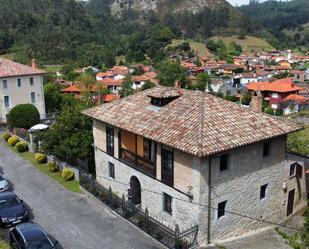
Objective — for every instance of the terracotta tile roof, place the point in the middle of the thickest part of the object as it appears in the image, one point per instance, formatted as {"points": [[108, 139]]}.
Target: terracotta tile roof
{"points": [[71, 89], [297, 72], [297, 98], [105, 74], [110, 97], [196, 122], [280, 86], [111, 82], [10, 68]]}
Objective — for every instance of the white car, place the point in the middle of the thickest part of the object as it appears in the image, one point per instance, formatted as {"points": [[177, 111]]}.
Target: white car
{"points": [[4, 184]]}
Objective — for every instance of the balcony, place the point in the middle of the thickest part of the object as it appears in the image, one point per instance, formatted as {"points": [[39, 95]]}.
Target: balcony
{"points": [[135, 161]]}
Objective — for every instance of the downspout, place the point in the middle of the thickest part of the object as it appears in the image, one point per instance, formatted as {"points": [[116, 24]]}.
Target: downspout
{"points": [[209, 200]]}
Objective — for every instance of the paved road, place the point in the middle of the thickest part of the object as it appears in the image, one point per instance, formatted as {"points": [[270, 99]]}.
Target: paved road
{"points": [[75, 220]]}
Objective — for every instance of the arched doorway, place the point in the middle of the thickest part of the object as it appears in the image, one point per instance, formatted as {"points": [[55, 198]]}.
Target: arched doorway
{"points": [[135, 191]]}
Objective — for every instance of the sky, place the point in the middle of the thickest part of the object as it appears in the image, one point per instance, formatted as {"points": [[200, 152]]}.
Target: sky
{"points": [[240, 2]]}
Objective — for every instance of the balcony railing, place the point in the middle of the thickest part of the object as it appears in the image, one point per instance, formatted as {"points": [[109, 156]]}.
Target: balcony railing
{"points": [[142, 164]]}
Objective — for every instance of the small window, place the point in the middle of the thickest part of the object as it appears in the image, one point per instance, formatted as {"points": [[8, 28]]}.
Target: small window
{"points": [[110, 140], [31, 81], [33, 101], [111, 170], [266, 149], [5, 84], [167, 203], [263, 191], [292, 169], [221, 209], [275, 95], [19, 82], [7, 101], [224, 162]]}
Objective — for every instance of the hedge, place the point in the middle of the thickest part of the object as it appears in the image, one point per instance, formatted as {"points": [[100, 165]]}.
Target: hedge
{"points": [[67, 174], [13, 140], [6, 136], [23, 116], [22, 147], [40, 157]]}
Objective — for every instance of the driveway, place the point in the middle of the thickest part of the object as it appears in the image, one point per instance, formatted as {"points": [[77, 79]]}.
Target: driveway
{"points": [[75, 220]]}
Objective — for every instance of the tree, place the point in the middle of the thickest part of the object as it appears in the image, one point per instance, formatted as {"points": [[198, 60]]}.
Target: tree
{"points": [[53, 97], [71, 136], [169, 72], [126, 88], [23, 116], [203, 82], [148, 84]]}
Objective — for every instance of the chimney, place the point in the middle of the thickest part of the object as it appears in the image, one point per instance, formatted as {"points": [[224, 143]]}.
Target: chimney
{"points": [[257, 101], [34, 64]]}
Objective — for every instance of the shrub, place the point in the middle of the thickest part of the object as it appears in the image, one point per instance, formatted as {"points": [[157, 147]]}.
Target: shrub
{"points": [[23, 116], [40, 157], [13, 140], [67, 174], [21, 146], [52, 167], [6, 136]]}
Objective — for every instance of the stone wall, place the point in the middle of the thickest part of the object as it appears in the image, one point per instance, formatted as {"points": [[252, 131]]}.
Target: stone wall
{"points": [[240, 187]]}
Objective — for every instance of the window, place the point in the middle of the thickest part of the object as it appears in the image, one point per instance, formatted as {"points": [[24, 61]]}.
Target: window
{"points": [[31, 81], [224, 162], [167, 203], [221, 209], [167, 166], [111, 170], [292, 169], [275, 95], [7, 101], [110, 140], [263, 191], [274, 106], [5, 84], [296, 170], [266, 149], [19, 82], [32, 95]]}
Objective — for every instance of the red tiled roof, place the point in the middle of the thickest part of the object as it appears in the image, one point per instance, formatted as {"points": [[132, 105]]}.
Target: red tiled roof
{"points": [[196, 122], [280, 86], [105, 74], [10, 68], [297, 72], [71, 89], [110, 97], [111, 82], [297, 98]]}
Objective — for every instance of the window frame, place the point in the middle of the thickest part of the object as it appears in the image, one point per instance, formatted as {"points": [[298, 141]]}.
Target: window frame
{"points": [[221, 210], [111, 170], [19, 83], [165, 164], [227, 163], [6, 83], [268, 152], [167, 203], [110, 140], [9, 102], [31, 81], [263, 191], [32, 98]]}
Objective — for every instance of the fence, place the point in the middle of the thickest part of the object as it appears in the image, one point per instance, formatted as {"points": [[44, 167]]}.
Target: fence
{"points": [[172, 238]]}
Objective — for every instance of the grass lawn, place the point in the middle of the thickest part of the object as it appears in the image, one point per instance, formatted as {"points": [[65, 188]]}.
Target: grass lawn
{"points": [[198, 47], [298, 142], [4, 245], [70, 185], [52, 68]]}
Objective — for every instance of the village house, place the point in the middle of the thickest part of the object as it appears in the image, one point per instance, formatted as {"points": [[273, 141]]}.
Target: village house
{"points": [[244, 78], [298, 76], [274, 92], [20, 84], [294, 103], [192, 159]]}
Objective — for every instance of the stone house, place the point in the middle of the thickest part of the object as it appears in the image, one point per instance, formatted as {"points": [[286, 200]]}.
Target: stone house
{"points": [[194, 159], [20, 84]]}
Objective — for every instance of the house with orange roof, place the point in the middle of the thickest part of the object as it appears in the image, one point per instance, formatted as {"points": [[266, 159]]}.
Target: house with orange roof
{"points": [[298, 76], [73, 89], [20, 84], [275, 91], [113, 85], [294, 103]]}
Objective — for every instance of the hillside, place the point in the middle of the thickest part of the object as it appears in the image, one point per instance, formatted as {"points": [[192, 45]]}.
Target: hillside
{"points": [[283, 19]]}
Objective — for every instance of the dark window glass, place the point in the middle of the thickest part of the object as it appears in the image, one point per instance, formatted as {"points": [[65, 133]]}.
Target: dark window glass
{"points": [[224, 162], [111, 170], [110, 140], [263, 191], [19, 82], [32, 95], [6, 101], [292, 169], [31, 81], [5, 84], [266, 149], [167, 203], [168, 166], [221, 209]]}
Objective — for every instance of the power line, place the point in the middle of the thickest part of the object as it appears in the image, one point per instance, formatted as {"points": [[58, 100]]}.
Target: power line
{"points": [[206, 206]]}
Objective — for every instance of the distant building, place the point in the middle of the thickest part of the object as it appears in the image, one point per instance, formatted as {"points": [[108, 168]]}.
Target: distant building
{"points": [[20, 84]]}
